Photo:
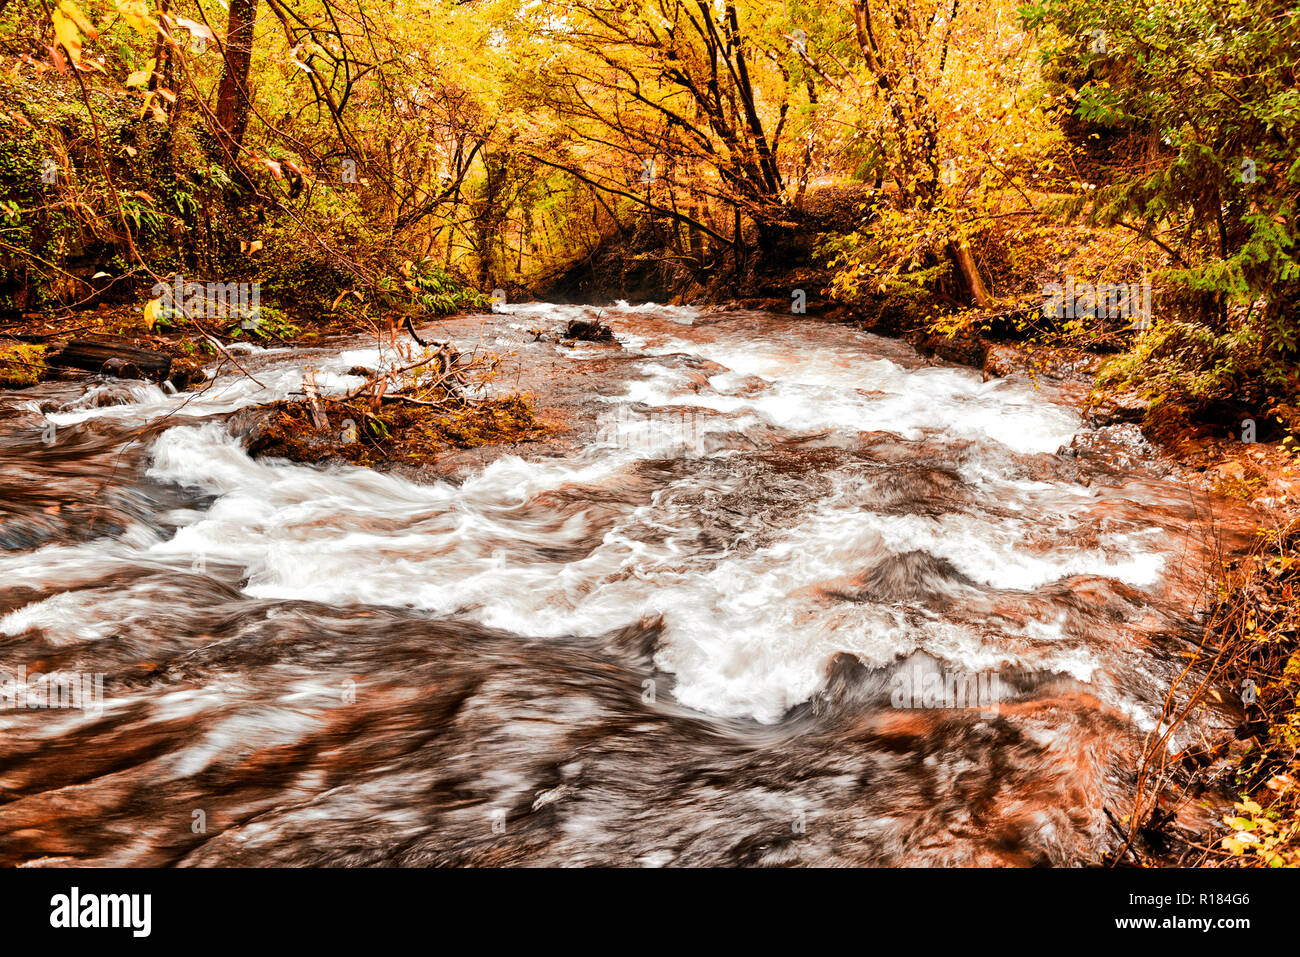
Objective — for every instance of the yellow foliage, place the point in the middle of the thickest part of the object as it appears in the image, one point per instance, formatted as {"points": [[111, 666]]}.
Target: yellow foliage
{"points": [[136, 13]]}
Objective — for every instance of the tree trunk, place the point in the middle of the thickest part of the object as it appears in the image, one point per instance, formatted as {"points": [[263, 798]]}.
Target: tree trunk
{"points": [[960, 252], [232, 94], [161, 56]]}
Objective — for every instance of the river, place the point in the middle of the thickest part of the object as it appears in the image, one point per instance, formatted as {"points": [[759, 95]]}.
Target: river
{"points": [[719, 619]]}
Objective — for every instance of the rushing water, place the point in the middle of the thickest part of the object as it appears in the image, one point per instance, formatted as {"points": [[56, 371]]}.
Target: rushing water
{"points": [[674, 634]]}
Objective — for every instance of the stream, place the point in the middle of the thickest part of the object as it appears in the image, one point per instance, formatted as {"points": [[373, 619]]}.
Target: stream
{"points": [[725, 616]]}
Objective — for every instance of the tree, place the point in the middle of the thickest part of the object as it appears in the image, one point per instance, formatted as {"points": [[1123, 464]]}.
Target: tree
{"points": [[679, 106], [1214, 87], [949, 127], [233, 96]]}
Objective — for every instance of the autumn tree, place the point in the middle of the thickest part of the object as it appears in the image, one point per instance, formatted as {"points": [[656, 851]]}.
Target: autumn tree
{"points": [[682, 107], [949, 123], [233, 96], [1213, 88]]}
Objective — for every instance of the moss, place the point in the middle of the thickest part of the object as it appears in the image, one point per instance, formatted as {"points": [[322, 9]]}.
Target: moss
{"points": [[21, 364]]}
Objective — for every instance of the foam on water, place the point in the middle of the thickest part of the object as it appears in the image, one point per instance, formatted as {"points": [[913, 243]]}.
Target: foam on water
{"points": [[816, 387]]}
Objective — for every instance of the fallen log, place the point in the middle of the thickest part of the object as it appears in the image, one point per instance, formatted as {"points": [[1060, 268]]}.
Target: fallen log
{"points": [[94, 356], [319, 420]]}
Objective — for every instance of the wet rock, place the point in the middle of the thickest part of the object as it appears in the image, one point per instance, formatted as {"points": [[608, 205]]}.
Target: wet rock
{"points": [[837, 312], [696, 371], [186, 373], [764, 304], [120, 369], [1001, 360], [914, 576], [967, 350], [106, 396], [849, 683], [268, 433], [252, 424], [1124, 407], [1120, 446]]}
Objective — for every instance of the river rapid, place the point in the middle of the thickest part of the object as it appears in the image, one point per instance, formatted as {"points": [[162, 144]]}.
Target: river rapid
{"points": [[778, 592]]}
